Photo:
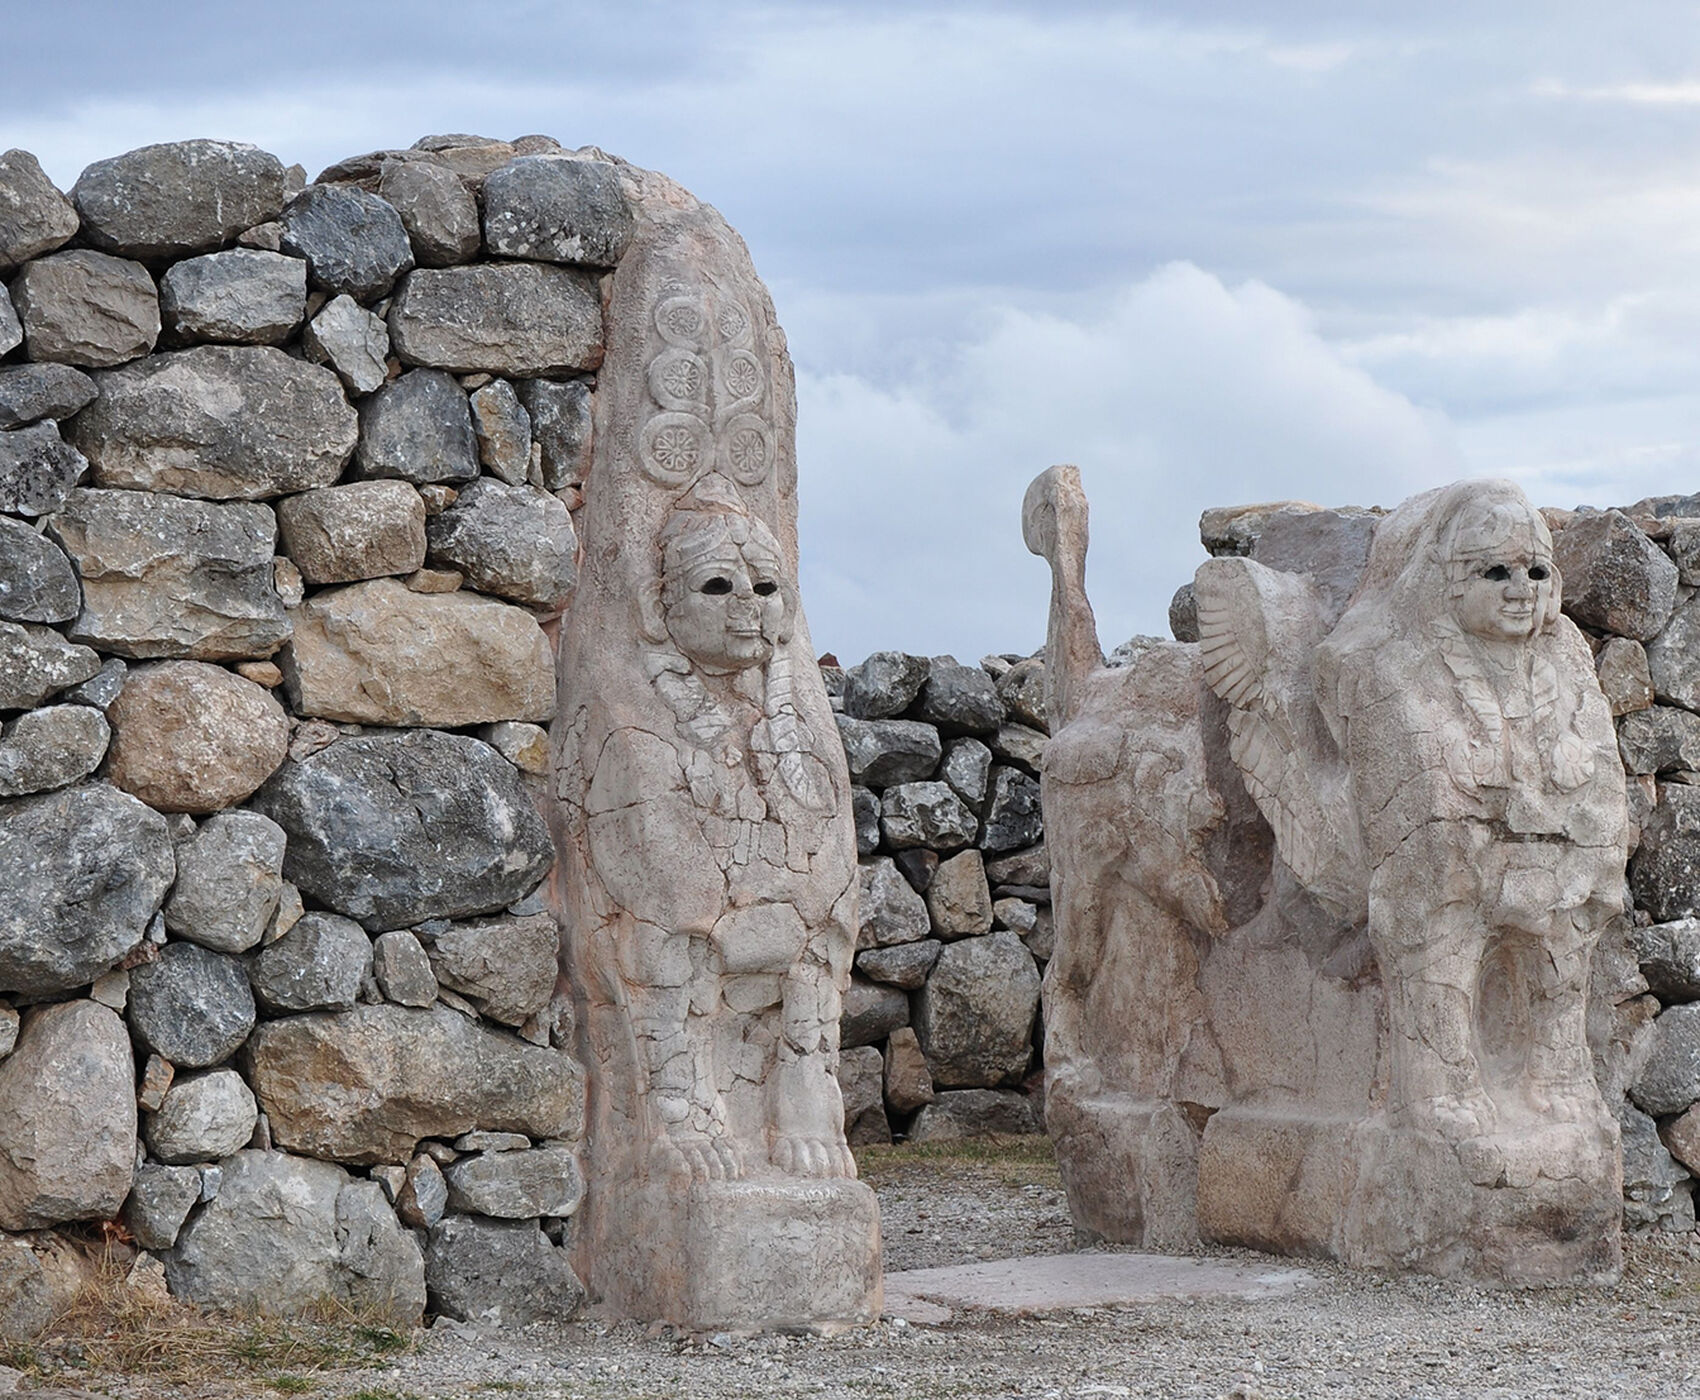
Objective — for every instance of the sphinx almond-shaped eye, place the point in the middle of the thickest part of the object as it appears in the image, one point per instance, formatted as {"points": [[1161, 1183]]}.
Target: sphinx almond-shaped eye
{"points": [[767, 588], [1496, 572], [1538, 572], [717, 584]]}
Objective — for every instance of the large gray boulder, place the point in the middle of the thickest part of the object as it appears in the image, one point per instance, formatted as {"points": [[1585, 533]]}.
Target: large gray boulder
{"points": [[557, 208], [285, 1234], [181, 197], [926, 814], [1013, 816], [561, 427], [203, 1117], [959, 699], [967, 767], [884, 685], [516, 1185], [160, 1201], [229, 878], [354, 241], [974, 1017], [970, 1113], [514, 541], [317, 966], [86, 309], [67, 1118], [904, 965], [1670, 1080], [871, 1011], [227, 422], [392, 830], [889, 910], [1673, 657], [1664, 873], [366, 529], [513, 319], [163, 576], [436, 209], [507, 967], [1669, 958], [191, 1006], [352, 341], [883, 752], [244, 296], [1615, 578], [29, 393], [37, 582], [34, 217], [1657, 1193], [86, 869], [417, 428], [36, 662], [499, 1272], [503, 430], [38, 468], [1659, 739], [366, 1085], [51, 748]]}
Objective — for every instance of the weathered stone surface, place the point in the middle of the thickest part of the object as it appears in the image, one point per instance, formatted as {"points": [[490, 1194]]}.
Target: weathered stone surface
{"points": [[1673, 657], [1183, 614], [865, 806], [367, 529], [561, 427], [192, 1006], [969, 1113], [1022, 690], [238, 422], [1661, 739], [392, 830], [317, 966], [403, 969], [159, 1202], [1664, 872], [526, 746], [354, 242], [440, 216], [557, 208], [871, 1012], [1031, 867], [1669, 958], [1013, 816], [283, 1234], [884, 685], [203, 1117], [1681, 1137], [366, 1085], [967, 767], [959, 699], [102, 688], [37, 582], [1670, 1080], [516, 1185], [926, 814], [890, 910], [182, 197], [904, 965], [11, 329], [379, 653], [38, 468], [918, 867], [1622, 668], [908, 1081], [974, 1017], [229, 880], [859, 1075], [514, 541], [418, 428], [34, 217], [882, 752], [352, 341], [28, 1299], [424, 1194], [1657, 1193], [67, 1118], [86, 870], [51, 748], [506, 966], [36, 662], [499, 1272], [29, 393], [163, 576], [1684, 547], [513, 319], [244, 296], [958, 898], [1615, 578], [86, 309], [1017, 744], [191, 737], [503, 430]]}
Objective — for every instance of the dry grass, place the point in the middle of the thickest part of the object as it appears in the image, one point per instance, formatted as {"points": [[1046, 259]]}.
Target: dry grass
{"points": [[1009, 1160]]}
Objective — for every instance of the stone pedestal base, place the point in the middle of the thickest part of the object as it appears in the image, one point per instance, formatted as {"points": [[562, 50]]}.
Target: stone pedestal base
{"points": [[737, 1255], [1395, 1198], [1128, 1166]]}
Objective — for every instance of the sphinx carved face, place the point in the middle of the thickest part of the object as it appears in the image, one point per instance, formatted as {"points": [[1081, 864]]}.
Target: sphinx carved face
{"points": [[723, 599], [1504, 585]]}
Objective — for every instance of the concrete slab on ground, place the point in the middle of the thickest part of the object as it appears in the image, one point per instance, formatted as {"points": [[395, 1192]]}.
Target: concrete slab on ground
{"points": [[1058, 1282]]}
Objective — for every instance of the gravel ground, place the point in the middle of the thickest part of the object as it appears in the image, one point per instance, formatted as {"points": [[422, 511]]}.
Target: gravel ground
{"points": [[1352, 1336]]}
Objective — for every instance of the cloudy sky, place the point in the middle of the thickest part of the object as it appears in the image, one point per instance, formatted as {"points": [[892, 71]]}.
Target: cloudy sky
{"points": [[1211, 253]]}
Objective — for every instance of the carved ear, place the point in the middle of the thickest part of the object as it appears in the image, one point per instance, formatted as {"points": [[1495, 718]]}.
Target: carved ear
{"points": [[1555, 599], [652, 617], [788, 619]]}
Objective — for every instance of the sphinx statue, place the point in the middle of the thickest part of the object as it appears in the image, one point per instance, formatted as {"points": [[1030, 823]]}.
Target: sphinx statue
{"points": [[708, 873], [1366, 836]]}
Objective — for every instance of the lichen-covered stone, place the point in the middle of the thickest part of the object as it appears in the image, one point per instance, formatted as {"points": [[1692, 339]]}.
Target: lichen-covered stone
{"points": [[884, 752], [519, 1185], [402, 969], [513, 319], [1664, 872], [352, 341], [505, 1273], [513, 541], [974, 1017], [177, 198], [38, 468], [36, 662], [1615, 578], [229, 880], [889, 910], [51, 748], [86, 309], [557, 208], [37, 582], [958, 899], [1013, 816], [503, 430], [907, 965], [506, 966], [203, 1117], [29, 393], [318, 965], [561, 426], [366, 529], [34, 217], [159, 1202], [440, 216], [871, 1012], [926, 814], [191, 1006], [1624, 677], [884, 685], [1670, 1080], [967, 767], [1673, 657], [244, 296], [417, 428], [959, 699], [354, 241]]}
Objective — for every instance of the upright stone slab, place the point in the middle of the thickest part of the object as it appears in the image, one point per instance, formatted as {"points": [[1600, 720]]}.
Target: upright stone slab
{"points": [[1385, 790], [708, 873]]}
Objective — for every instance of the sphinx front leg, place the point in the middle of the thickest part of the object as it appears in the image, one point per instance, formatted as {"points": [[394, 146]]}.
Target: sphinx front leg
{"points": [[807, 1107]]}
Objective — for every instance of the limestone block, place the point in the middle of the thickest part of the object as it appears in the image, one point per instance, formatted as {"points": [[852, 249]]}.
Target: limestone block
{"points": [[959, 901], [967, 767], [1673, 657], [244, 296], [526, 746], [926, 814], [87, 869], [159, 1202], [36, 662], [424, 1194], [1669, 958], [969, 1113], [884, 685], [366, 1085], [284, 1234], [379, 653], [905, 965], [908, 1081], [883, 752], [1664, 873], [1670, 1080], [34, 217], [890, 910], [181, 197], [504, 1273], [1681, 1136], [352, 341], [561, 427], [959, 699], [229, 881], [51, 748], [440, 216], [516, 1185], [318, 965], [38, 468], [865, 808], [366, 529], [354, 242], [86, 309], [1684, 547], [101, 689], [202, 1118], [11, 329], [1615, 578], [37, 582], [518, 320], [29, 393], [557, 208], [507, 966], [165, 577], [860, 1074], [974, 1017], [403, 969], [514, 541], [1022, 688], [1657, 1193], [503, 430], [191, 1006], [871, 1012], [364, 839], [227, 422], [1013, 815], [1624, 677], [67, 1118], [1659, 739], [417, 428], [1017, 744]]}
